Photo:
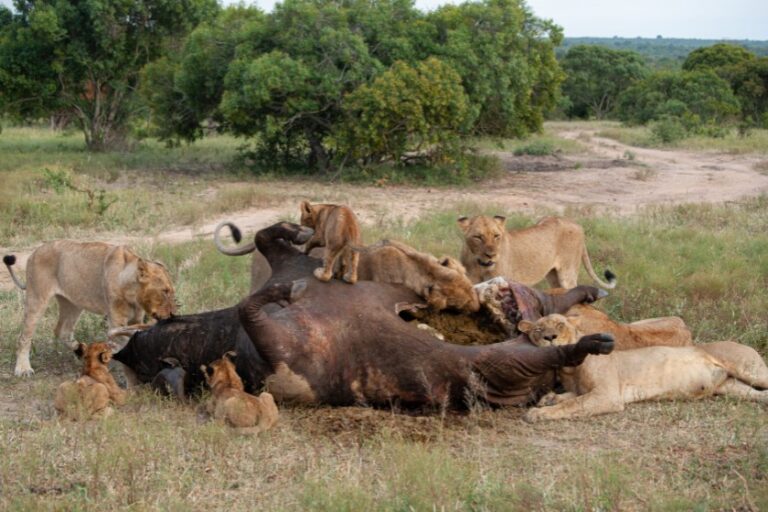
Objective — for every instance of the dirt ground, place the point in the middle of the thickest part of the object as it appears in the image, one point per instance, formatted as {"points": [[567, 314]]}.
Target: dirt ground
{"points": [[610, 177]]}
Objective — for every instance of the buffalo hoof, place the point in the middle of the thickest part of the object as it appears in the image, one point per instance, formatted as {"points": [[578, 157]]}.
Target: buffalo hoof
{"points": [[602, 343], [298, 288], [303, 235], [601, 293]]}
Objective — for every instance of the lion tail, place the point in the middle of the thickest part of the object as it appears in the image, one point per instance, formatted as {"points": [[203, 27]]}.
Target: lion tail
{"points": [[10, 260], [609, 276]]}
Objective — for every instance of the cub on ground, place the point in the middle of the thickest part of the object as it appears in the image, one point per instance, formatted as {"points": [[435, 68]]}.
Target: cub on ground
{"points": [[443, 282], [229, 402], [101, 278], [553, 249], [337, 229], [605, 384], [93, 392]]}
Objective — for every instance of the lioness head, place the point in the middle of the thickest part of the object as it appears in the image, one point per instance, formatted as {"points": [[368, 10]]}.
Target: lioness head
{"points": [[483, 236], [550, 330], [156, 294], [451, 287], [222, 373], [309, 214], [94, 355]]}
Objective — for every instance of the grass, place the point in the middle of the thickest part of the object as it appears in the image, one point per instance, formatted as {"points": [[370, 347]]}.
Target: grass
{"points": [[706, 263], [547, 140], [641, 136]]}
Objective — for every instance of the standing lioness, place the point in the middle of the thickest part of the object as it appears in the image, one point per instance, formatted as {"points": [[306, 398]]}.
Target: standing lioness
{"points": [[336, 229], [101, 278], [553, 249]]}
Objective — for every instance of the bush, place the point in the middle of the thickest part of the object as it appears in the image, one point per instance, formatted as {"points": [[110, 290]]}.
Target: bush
{"points": [[669, 130]]}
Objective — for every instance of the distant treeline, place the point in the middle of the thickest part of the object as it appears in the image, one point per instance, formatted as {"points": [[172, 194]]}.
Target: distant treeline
{"points": [[660, 52]]}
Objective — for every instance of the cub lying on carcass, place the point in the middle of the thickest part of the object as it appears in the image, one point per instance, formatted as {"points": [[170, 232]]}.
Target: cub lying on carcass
{"points": [[101, 278], [337, 229], [442, 283], [91, 394], [231, 404], [605, 384]]}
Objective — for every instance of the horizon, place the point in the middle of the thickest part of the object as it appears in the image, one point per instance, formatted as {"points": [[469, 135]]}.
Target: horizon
{"points": [[739, 20]]}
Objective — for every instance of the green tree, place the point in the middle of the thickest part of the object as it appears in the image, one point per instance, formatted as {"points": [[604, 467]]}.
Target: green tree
{"points": [[750, 84], [505, 57], [422, 109], [84, 57], [722, 58], [184, 88], [596, 76], [694, 97]]}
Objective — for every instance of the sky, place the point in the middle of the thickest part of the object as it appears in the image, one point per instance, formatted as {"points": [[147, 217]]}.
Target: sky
{"points": [[699, 19]]}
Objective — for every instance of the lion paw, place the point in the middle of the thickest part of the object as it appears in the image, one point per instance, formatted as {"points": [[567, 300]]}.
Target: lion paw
{"points": [[321, 275]]}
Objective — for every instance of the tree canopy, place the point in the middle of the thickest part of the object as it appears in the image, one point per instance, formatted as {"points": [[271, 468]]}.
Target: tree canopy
{"points": [[596, 76], [84, 58]]}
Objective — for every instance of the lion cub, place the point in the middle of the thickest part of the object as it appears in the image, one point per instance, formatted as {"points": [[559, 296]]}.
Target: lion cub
{"points": [[248, 414], [90, 395], [337, 229]]}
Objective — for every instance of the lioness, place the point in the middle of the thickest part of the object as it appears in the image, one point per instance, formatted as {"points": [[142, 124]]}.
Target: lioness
{"points": [[101, 278], [669, 330], [553, 249], [443, 282], [605, 384], [231, 404], [337, 229], [91, 394]]}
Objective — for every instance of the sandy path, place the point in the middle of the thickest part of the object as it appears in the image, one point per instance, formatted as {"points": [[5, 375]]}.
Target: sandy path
{"points": [[603, 179]]}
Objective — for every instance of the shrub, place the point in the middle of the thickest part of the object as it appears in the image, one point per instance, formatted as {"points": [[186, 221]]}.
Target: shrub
{"points": [[668, 130], [536, 148]]}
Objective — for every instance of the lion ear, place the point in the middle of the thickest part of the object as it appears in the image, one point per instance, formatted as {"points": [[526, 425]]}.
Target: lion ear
{"points": [[105, 356], [500, 220], [525, 326], [80, 349], [463, 223], [306, 207], [445, 261]]}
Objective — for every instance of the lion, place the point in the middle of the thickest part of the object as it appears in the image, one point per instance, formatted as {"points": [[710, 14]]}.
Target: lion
{"points": [[336, 229], [92, 393], [553, 249], [606, 384], [98, 277], [443, 282], [669, 330], [229, 402]]}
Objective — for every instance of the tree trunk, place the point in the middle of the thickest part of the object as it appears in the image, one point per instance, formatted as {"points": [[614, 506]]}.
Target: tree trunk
{"points": [[318, 156]]}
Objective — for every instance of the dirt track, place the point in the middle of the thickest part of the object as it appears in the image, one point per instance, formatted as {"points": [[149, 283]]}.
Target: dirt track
{"points": [[604, 178]]}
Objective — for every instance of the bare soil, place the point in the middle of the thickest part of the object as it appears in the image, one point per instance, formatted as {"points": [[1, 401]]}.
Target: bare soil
{"points": [[611, 178]]}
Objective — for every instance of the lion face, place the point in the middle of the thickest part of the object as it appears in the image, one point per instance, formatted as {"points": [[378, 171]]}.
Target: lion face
{"points": [[308, 215], [94, 355], [222, 373], [452, 288], [550, 330], [156, 294], [483, 236]]}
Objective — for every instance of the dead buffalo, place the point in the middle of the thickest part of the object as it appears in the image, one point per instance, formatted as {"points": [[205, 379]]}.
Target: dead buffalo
{"points": [[341, 344]]}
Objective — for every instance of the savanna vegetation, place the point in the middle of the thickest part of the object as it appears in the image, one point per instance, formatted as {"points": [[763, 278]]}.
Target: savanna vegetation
{"points": [[165, 114], [704, 262]]}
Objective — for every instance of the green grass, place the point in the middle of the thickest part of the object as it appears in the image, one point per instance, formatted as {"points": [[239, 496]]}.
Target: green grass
{"points": [[641, 136], [706, 263], [548, 140]]}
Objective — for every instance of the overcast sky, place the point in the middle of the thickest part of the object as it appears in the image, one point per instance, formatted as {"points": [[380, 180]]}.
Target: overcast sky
{"points": [[702, 19]]}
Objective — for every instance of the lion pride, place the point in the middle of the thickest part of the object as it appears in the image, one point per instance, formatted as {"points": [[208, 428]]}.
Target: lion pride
{"points": [[553, 249], [98, 277]]}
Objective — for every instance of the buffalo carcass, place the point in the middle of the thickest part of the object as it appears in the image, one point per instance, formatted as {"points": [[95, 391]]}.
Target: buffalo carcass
{"points": [[347, 344]]}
